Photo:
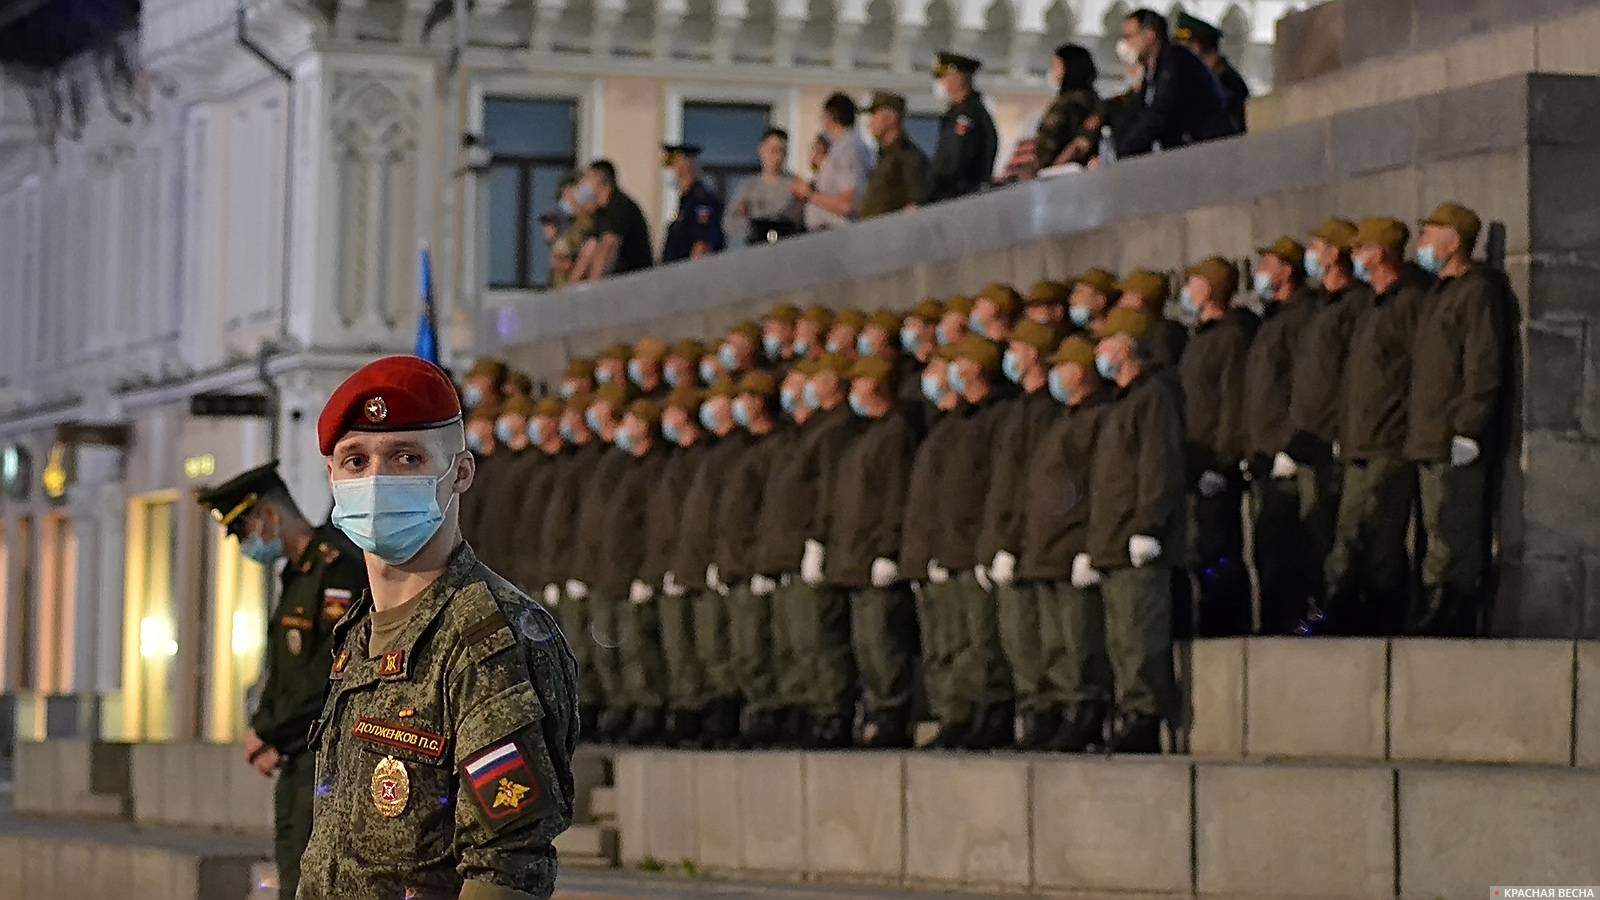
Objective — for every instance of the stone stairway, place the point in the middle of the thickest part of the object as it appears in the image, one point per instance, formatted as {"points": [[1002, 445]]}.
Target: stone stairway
{"points": [[591, 842]]}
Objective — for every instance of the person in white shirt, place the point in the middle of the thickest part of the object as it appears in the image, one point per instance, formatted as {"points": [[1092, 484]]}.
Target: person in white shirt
{"points": [[835, 198]]}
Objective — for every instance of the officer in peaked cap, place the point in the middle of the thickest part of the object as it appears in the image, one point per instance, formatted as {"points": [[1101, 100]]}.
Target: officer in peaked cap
{"points": [[324, 575], [963, 162], [697, 229]]}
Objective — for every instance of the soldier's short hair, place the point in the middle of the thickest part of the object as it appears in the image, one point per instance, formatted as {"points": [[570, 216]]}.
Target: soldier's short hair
{"points": [[840, 108]]}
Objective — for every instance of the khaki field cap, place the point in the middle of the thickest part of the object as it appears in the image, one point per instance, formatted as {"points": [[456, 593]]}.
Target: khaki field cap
{"points": [[1040, 337], [1340, 233], [959, 304], [1217, 272], [1046, 292], [1102, 282], [549, 407], [821, 316], [1123, 320], [1004, 297], [784, 312], [887, 100], [874, 369], [886, 320], [1150, 285], [1075, 349], [1390, 234], [1287, 249], [580, 368], [758, 383], [722, 387], [685, 397], [516, 406], [688, 349], [650, 348], [646, 410], [488, 366], [1458, 218], [851, 318], [930, 311], [980, 350], [618, 350]]}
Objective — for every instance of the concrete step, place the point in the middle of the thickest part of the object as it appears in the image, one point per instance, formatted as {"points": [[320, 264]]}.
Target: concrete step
{"points": [[81, 859], [592, 843], [603, 803]]}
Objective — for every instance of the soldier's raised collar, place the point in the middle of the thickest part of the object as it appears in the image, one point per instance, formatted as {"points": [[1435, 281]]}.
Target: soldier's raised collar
{"points": [[397, 663]]}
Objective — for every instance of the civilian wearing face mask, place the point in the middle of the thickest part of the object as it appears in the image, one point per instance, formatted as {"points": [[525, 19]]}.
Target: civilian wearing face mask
{"points": [[544, 462], [577, 204], [940, 617], [324, 575], [1024, 416], [1136, 528], [1213, 377], [693, 557], [810, 636], [982, 680], [1182, 102], [1452, 428], [1368, 570], [460, 649], [1073, 112], [858, 536], [1285, 551], [963, 161], [498, 540]]}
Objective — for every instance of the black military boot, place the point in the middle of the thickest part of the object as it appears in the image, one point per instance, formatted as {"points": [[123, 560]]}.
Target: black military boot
{"points": [[796, 730], [720, 729], [1136, 733], [829, 733], [683, 729], [645, 729], [1082, 728], [887, 730], [613, 724], [951, 735], [993, 727], [1036, 728], [761, 729]]}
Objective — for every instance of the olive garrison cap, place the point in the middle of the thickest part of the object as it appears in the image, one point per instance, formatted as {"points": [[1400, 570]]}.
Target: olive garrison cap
{"points": [[1075, 349], [1458, 218]]}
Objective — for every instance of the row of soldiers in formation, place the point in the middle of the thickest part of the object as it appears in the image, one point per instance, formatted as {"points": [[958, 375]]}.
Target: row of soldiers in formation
{"points": [[1015, 495]]}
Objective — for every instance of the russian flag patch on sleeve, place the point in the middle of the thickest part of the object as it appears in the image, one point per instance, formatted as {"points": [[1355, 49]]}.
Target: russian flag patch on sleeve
{"points": [[504, 785]]}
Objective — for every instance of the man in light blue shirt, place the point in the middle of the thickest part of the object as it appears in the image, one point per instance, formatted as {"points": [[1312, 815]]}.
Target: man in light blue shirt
{"points": [[834, 199]]}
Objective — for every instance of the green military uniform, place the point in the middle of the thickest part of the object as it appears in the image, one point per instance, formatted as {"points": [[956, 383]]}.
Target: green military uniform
{"points": [[900, 179], [939, 618], [685, 676], [557, 553], [963, 162], [443, 759], [317, 590]]}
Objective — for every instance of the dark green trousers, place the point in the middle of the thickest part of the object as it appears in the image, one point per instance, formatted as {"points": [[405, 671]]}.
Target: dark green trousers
{"points": [[940, 622], [291, 818], [1369, 571], [575, 623], [1023, 641], [750, 626], [882, 632], [1454, 521], [1138, 605], [811, 647], [1321, 486], [981, 675], [713, 644], [686, 677], [1073, 631], [639, 656], [607, 629]]}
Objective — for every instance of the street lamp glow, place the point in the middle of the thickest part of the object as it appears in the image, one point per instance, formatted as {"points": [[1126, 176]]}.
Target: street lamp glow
{"points": [[246, 633], [156, 638]]}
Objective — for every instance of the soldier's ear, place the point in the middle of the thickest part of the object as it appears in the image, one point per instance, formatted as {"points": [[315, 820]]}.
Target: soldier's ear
{"points": [[466, 473]]}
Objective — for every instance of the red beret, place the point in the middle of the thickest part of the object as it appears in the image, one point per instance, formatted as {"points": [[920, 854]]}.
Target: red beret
{"points": [[396, 393]]}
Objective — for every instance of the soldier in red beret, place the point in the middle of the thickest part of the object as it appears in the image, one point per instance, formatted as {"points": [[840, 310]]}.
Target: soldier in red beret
{"points": [[444, 749]]}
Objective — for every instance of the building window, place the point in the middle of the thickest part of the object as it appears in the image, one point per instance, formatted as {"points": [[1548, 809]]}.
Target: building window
{"points": [[923, 129], [238, 638], [727, 134], [535, 145], [150, 626]]}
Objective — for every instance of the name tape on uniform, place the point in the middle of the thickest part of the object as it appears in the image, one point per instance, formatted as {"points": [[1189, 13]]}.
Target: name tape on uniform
{"points": [[424, 742]]}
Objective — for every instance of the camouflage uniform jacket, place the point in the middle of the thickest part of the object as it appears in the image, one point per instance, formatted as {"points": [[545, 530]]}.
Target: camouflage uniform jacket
{"points": [[444, 765]]}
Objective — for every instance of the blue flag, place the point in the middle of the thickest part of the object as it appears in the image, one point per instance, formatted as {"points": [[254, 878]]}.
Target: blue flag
{"points": [[427, 331]]}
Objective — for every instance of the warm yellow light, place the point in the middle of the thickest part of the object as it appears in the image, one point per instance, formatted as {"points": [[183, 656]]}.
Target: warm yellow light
{"points": [[200, 466], [156, 638], [246, 633]]}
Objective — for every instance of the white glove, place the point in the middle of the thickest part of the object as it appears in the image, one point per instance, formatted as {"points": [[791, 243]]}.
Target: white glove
{"points": [[1003, 569], [1244, 467], [1334, 448], [714, 582], [762, 586], [1284, 466], [1143, 550], [936, 573], [1212, 483], [1463, 451], [982, 574], [884, 572], [639, 592], [811, 562], [576, 589], [552, 595], [670, 586], [1084, 574]]}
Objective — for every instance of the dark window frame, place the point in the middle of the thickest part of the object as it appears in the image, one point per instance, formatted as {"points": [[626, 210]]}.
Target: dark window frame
{"points": [[527, 216]]}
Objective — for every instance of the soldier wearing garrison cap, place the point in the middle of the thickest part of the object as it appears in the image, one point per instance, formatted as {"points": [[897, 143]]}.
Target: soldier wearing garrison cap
{"points": [[680, 368], [696, 230], [777, 333], [323, 576], [1094, 294], [899, 180], [1046, 304], [1454, 421], [611, 364], [483, 381], [1212, 375], [841, 335], [963, 162], [1205, 41], [993, 309], [444, 748], [545, 466], [1368, 570], [645, 366], [577, 378], [495, 531], [1023, 419], [953, 324], [811, 332], [1147, 292]]}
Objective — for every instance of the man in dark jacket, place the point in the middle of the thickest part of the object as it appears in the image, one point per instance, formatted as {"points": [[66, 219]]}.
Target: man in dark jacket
{"points": [[1205, 41], [963, 162], [1283, 556], [1368, 570], [525, 533], [497, 513], [1147, 292], [1181, 101], [1136, 529], [1025, 416], [864, 503], [1452, 427], [1212, 374]]}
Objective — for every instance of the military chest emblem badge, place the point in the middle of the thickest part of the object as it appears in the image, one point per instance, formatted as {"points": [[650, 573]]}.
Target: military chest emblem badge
{"points": [[391, 787], [376, 410]]}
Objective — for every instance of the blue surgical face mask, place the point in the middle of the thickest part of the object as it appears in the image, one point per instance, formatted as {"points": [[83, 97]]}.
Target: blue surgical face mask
{"points": [[1011, 365], [1429, 259], [859, 408], [568, 434], [1080, 315], [390, 516], [1186, 302], [264, 552], [974, 325], [566, 390], [771, 346], [863, 345], [1313, 265], [669, 374], [624, 441], [741, 415], [636, 372], [1058, 386], [729, 359], [591, 418], [1106, 368], [957, 383], [707, 420], [812, 398], [602, 375], [1263, 286], [471, 396], [503, 432], [941, 336], [474, 442], [1361, 271], [708, 372], [538, 429], [585, 194], [671, 433], [931, 389], [788, 400], [910, 339], [834, 345], [801, 346]]}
